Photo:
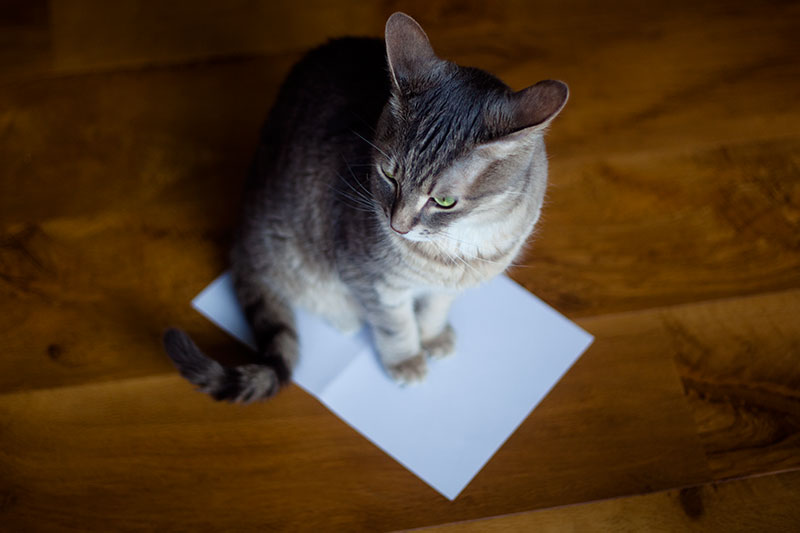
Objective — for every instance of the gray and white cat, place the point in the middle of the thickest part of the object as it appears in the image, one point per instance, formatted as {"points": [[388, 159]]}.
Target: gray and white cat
{"points": [[387, 180]]}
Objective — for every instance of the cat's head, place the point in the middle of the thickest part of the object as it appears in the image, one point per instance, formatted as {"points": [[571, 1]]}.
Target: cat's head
{"points": [[454, 144]]}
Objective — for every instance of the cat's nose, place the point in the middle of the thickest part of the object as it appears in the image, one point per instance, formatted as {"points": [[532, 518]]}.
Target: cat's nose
{"points": [[402, 220], [401, 230]]}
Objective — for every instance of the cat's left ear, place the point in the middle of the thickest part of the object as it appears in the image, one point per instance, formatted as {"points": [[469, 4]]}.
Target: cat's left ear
{"points": [[409, 52], [534, 108], [525, 115]]}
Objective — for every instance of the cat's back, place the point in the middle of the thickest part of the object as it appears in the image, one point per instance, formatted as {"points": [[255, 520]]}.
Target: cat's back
{"points": [[334, 89], [329, 102], [330, 99]]}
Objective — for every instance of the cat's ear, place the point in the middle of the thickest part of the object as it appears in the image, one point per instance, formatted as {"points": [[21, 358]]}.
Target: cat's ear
{"points": [[409, 52], [524, 116], [535, 107]]}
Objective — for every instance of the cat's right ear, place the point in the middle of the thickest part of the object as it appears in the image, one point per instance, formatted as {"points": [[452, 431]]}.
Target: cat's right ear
{"points": [[409, 52]]}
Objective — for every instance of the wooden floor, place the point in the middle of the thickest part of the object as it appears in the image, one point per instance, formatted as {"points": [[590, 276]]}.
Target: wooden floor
{"points": [[671, 233]]}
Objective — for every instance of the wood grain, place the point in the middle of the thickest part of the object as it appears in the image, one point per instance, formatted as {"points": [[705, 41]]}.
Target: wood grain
{"points": [[670, 233], [25, 39], [187, 458], [129, 33], [746, 396], [657, 229], [756, 504]]}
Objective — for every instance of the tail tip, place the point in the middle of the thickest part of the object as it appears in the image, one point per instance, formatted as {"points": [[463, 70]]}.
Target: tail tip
{"points": [[241, 384]]}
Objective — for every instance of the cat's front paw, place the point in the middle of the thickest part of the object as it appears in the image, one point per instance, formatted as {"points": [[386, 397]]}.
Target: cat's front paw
{"points": [[412, 370], [442, 345]]}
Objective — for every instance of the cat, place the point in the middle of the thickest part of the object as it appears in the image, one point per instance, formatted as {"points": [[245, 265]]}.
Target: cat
{"points": [[386, 181]]}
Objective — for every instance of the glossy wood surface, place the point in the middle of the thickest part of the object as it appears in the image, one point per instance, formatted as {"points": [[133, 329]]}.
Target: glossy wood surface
{"points": [[751, 504], [671, 233]]}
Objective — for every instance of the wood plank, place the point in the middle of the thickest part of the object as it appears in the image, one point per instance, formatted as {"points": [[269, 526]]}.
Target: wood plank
{"points": [[132, 32], [91, 35], [90, 279], [589, 439], [741, 57], [765, 503], [734, 76], [681, 76], [742, 380], [653, 229], [152, 452], [88, 299], [125, 140], [25, 39]]}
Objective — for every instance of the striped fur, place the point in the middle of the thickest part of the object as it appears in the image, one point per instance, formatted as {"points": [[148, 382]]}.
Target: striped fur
{"points": [[339, 216]]}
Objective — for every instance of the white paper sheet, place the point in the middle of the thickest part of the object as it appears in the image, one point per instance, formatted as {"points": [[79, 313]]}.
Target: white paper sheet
{"points": [[512, 348]]}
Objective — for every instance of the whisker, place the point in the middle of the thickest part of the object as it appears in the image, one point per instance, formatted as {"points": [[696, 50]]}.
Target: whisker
{"points": [[358, 197], [518, 265], [456, 257], [370, 143], [355, 179], [352, 201], [366, 198], [444, 252]]}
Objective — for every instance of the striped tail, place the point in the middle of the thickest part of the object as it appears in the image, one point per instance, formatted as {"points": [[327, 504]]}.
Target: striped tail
{"points": [[240, 384]]}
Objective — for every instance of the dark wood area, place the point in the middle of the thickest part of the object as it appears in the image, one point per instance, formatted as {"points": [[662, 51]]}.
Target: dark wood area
{"points": [[750, 504], [671, 233]]}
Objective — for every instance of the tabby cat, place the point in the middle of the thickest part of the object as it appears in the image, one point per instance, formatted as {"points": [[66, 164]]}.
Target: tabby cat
{"points": [[387, 180]]}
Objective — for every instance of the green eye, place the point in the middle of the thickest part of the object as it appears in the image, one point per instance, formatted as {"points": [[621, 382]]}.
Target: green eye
{"points": [[386, 172], [444, 201]]}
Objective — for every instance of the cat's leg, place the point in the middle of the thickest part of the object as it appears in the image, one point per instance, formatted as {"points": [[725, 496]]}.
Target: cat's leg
{"points": [[436, 334], [270, 316], [394, 328]]}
